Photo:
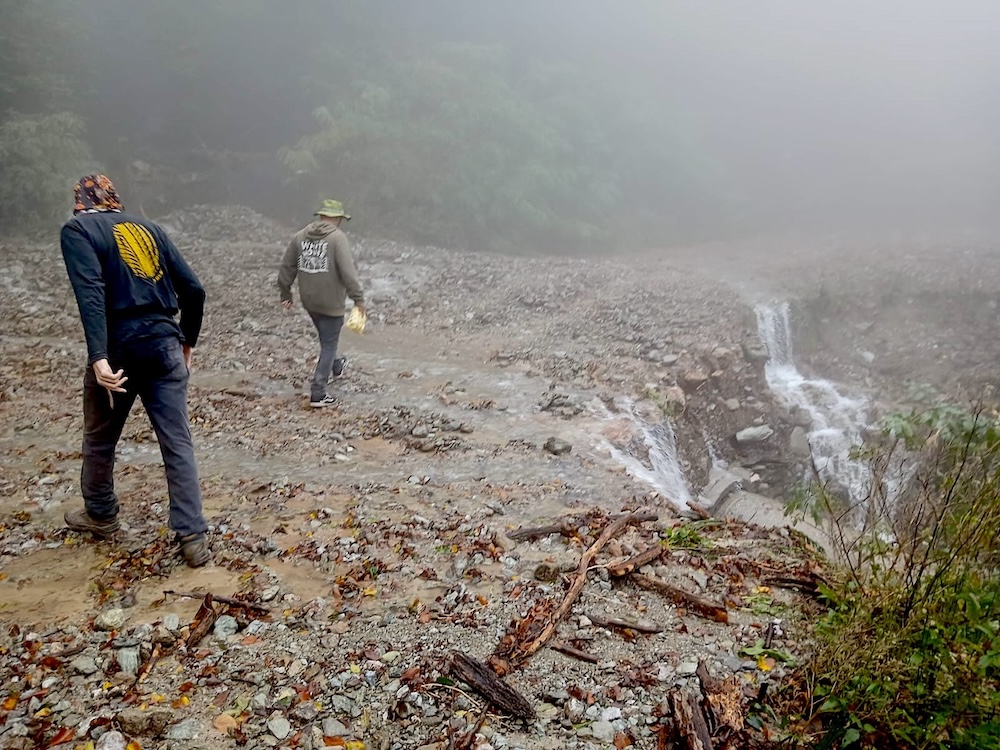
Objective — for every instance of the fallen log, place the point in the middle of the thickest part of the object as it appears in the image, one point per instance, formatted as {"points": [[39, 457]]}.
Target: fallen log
{"points": [[698, 604], [612, 623], [634, 563], [511, 652], [486, 683], [576, 653], [689, 722], [231, 601], [567, 527]]}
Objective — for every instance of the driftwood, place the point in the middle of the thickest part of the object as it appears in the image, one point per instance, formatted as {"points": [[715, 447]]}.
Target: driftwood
{"points": [[231, 601], [698, 604], [576, 653], [612, 623], [512, 650], [634, 563], [484, 681], [689, 722], [202, 623], [568, 527]]}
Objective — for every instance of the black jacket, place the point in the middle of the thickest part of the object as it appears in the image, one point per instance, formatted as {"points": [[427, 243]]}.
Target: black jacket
{"points": [[130, 281]]}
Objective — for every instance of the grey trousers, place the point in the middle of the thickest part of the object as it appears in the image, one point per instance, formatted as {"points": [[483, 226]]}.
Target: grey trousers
{"points": [[328, 327], [158, 376]]}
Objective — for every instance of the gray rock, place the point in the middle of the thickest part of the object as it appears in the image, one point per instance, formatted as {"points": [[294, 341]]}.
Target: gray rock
{"points": [[185, 730], [128, 659], [798, 443], [226, 626], [733, 404], [111, 741], [420, 432], [558, 447], [687, 667], [334, 728], [603, 731], [84, 665], [110, 619], [732, 663], [269, 593], [754, 434], [278, 726], [171, 621]]}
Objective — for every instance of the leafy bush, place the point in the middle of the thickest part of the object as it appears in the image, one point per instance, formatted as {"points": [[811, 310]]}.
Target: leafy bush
{"points": [[40, 159], [909, 654]]}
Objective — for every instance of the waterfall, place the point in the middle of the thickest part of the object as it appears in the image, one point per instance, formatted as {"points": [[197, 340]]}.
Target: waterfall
{"points": [[837, 418], [644, 443]]}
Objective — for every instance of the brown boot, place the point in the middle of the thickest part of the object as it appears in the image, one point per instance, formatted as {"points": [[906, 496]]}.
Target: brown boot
{"points": [[81, 520], [195, 550]]}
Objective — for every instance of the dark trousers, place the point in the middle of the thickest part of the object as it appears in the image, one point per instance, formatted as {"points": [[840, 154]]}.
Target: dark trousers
{"points": [[328, 328], [158, 376]]}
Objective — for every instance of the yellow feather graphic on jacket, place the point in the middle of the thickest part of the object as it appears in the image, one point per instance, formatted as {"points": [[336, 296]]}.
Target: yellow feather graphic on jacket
{"points": [[139, 250]]}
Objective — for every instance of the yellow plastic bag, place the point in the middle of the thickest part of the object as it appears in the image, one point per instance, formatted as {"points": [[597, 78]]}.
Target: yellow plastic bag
{"points": [[356, 320]]}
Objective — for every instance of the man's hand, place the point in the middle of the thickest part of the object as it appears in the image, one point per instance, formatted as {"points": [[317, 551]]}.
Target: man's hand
{"points": [[362, 309], [113, 381], [287, 304], [187, 356]]}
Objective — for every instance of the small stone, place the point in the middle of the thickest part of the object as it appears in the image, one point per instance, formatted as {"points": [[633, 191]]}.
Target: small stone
{"points": [[226, 626], [84, 665], [128, 660], [110, 619], [574, 710], [603, 731], [390, 656], [111, 741], [185, 730], [269, 593], [278, 726], [558, 447], [256, 627], [585, 622], [171, 621], [420, 432], [687, 667], [334, 728], [305, 711], [732, 663], [798, 443], [754, 434], [732, 404]]}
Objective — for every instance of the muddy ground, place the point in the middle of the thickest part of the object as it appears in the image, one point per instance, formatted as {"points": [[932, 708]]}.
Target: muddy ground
{"points": [[372, 538]]}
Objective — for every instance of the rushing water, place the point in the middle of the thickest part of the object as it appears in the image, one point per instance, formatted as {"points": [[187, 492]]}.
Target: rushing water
{"points": [[647, 449], [837, 418]]}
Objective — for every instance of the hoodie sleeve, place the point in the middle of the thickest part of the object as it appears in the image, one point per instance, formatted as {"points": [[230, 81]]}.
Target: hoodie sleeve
{"points": [[345, 267], [190, 292], [289, 269], [87, 277]]}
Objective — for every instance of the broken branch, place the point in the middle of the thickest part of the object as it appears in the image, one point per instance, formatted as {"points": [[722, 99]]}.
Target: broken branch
{"points": [[698, 604], [231, 601], [576, 653], [634, 563], [613, 623], [484, 681]]}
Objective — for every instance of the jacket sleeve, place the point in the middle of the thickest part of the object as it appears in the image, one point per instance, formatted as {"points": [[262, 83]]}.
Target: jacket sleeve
{"points": [[87, 277], [289, 269], [348, 272], [190, 292]]}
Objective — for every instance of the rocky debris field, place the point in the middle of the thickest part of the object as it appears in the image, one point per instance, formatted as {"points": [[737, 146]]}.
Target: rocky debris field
{"points": [[359, 549]]}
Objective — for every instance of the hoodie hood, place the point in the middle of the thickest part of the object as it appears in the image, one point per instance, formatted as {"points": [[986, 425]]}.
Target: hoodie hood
{"points": [[320, 229]]}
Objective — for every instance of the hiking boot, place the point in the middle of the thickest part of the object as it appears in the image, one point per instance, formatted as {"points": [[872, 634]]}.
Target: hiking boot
{"points": [[81, 520], [325, 401], [339, 367], [195, 549]]}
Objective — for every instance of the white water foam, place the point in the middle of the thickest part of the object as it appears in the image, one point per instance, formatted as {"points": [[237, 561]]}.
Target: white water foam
{"points": [[647, 449], [837, 419]]}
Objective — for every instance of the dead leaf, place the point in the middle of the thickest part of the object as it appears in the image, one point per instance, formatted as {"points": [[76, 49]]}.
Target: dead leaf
{"points": [[335, 742], [66, 734], [225, 723], [11, 702], [221, 699], [622, 740], [250, 640], [133, 745]]}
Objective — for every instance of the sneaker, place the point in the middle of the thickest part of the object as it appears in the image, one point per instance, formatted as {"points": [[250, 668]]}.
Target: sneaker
{"points": [[81, 520], [339, 367], [325, 401], [195, 549]]}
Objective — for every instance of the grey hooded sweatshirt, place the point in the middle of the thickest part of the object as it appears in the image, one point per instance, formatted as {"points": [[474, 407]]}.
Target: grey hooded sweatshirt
{"points": [[320, 256]]}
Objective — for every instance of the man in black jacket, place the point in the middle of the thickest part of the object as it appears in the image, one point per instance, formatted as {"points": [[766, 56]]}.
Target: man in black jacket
{"points": [[130, 281]]}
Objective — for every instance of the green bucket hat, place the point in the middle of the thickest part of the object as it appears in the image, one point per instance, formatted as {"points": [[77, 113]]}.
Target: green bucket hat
{"points": [[332, 209]]}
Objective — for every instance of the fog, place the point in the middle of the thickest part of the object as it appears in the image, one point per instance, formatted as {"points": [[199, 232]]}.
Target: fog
{"points": [[550, 125]]}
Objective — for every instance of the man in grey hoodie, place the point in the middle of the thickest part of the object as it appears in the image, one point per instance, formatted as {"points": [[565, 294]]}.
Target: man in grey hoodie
{"points": [[320, 256]]}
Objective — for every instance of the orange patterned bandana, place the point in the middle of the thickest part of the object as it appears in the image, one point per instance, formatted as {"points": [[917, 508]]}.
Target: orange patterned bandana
{"points": [[95, 193]]}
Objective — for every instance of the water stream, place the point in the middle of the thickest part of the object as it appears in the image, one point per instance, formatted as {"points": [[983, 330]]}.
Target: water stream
{"points": [[837, 419]]}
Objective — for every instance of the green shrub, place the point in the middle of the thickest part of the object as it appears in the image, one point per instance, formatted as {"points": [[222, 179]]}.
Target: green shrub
{"points": [[908, 656], [40, 159]]}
